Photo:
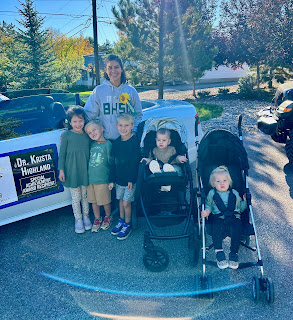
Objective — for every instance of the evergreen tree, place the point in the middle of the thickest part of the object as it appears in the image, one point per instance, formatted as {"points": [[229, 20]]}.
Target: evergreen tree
{"points": [[9, 52], [193, 43], [38, 57], [144, 23]]}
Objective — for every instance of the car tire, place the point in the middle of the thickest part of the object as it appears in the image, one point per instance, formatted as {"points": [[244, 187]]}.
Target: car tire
{"points": [[289, 146]]}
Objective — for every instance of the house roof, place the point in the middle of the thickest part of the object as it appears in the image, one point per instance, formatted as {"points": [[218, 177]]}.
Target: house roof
{"points": [[90, 59]]}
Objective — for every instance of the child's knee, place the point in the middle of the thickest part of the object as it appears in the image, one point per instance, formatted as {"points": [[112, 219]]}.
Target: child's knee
{"points": [[126, 204]]}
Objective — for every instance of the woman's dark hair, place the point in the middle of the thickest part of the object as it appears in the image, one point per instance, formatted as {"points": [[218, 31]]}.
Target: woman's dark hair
{"points": [[114, 57], [75, 111]]}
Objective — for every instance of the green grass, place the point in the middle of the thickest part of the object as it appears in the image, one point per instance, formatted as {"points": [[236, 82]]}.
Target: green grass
{"points": [[207, 111]]}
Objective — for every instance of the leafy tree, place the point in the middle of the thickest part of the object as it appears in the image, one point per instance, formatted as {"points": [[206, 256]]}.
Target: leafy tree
{"points": [[69, 56], [38, 56], [256, 32]]}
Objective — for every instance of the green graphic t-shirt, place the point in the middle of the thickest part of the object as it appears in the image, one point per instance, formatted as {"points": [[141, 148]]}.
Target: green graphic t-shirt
{"points": [[99, 162]]}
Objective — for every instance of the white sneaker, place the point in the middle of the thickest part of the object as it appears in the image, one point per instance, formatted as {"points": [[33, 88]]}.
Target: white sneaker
{"points": [[79, 227], [154, 166], [87, 223]]}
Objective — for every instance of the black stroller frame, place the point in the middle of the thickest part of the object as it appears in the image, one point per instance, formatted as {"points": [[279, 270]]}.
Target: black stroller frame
{"points": [[204, 282], [156, 259]]}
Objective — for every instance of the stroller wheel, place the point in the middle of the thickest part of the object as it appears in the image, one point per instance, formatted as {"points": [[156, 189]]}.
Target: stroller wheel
{"points": [[270, 291], [156, 259], [255, 289]]}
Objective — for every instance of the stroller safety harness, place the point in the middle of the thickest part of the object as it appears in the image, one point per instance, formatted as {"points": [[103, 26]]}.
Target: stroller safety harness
{"points": [[229, 211]]}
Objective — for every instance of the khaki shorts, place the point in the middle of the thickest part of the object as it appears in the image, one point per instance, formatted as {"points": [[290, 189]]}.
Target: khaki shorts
{"points": [[99, 194]]}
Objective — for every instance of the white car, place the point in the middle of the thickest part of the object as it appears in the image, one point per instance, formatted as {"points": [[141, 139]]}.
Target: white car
{"points": [[30, 129]]}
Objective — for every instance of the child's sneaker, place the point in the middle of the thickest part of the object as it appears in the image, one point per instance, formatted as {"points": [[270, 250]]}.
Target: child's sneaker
{"points": [[87, 223], [118, 227], [97, 225], [233, 260], [107, 223], [79, 227], [125, 231], [221, 260], [154, 166], [168, 168]]}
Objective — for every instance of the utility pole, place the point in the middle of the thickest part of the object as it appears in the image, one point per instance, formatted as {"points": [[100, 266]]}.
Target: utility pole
{"points": [[96, 49]]}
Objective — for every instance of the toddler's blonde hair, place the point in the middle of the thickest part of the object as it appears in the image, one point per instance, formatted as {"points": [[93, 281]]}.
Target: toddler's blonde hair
{"points": [[220, 170]]}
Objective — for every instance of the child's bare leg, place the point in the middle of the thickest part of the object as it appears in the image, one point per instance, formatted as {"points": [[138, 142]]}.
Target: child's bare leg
{"points": [[127, 211], [121, 209], [107, 208], [96, 210]]}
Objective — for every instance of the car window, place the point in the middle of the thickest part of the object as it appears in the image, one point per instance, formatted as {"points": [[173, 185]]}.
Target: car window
{"points": [[33, 114]]}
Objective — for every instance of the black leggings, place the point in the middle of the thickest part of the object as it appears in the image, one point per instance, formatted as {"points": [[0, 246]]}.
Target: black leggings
{"points": [[220, 230]]}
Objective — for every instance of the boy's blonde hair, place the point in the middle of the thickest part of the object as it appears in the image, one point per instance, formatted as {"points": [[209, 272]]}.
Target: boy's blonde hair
{"points": [[220, 170], [126, 116], [95, 122]]}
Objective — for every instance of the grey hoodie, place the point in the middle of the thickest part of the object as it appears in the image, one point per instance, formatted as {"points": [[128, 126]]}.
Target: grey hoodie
{"points": [[103, 103]]}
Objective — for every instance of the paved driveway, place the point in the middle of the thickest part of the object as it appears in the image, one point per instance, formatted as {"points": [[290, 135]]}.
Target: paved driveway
{"points": [[49, 272]]}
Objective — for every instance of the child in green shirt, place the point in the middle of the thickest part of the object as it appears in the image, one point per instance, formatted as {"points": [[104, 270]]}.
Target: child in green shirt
{"points": [[98, 191]]}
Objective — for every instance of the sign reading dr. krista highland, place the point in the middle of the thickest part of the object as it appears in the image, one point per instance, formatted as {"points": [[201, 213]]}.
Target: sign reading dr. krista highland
{"points": [[28, 174]]}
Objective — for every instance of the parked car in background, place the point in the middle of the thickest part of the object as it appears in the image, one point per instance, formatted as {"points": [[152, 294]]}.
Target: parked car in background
{"points": [[30, 130], [277, 121]]}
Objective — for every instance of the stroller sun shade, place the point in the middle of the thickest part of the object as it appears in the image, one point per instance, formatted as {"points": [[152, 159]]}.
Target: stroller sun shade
{"points": [[221, 147]]}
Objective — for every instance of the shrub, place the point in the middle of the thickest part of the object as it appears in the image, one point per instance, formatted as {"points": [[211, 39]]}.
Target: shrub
{"points": [[223, 90], [246, 85], [203, 94]]}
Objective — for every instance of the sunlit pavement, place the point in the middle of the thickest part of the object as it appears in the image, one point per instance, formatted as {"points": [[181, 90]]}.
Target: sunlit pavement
{"points": [[49, 272]]}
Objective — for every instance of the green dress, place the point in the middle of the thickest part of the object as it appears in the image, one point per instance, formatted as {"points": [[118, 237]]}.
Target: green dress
{"points": [[74, 158]]}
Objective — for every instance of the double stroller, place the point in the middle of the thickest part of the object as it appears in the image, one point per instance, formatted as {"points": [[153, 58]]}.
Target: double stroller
{"points": [[161, 208], [221, 147]]}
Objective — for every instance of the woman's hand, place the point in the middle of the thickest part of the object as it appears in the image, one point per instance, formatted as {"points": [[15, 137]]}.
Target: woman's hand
{"points": [[111, 185]]}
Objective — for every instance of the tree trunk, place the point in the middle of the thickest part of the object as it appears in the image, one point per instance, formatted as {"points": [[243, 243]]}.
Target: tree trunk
{"points": [[193, 90], [257, 75], [161, 50]]}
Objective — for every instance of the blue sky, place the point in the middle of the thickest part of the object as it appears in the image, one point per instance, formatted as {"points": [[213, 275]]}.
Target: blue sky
{"points": [[72, 17]]}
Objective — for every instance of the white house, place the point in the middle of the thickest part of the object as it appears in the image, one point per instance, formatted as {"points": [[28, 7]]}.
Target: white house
{"points": [[86, 78], [224, 74]]}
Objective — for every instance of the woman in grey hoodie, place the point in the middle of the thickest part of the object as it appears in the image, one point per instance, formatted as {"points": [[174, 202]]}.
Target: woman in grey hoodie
{"points": [[113, 97]]}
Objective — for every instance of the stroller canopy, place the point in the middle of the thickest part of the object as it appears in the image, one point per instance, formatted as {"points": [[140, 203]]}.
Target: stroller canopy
{"points": [[221, 147], [166, 123]]}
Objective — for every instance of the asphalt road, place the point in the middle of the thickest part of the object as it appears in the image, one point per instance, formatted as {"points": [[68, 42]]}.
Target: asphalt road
{"points": [[49, 272]]}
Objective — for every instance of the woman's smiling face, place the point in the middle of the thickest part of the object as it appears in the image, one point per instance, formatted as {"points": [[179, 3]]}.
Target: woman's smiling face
{"points": [[114, 71]]}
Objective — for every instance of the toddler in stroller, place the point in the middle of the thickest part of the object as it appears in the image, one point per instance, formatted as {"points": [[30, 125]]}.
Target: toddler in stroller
{"points": [[161, 208], [164, 156], [226, 205]]}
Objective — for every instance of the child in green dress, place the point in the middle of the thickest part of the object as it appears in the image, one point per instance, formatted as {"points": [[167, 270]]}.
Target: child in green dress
{"points": [[73, 166]]}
